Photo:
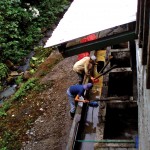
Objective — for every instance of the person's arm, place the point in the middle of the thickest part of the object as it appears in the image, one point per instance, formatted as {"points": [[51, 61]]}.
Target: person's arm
{"points": [[87, 67], [77, 98], [93, 79]]}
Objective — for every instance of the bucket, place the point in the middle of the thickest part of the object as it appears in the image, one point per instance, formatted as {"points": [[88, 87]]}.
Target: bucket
{"points": [[136, 142], [93, 104]]}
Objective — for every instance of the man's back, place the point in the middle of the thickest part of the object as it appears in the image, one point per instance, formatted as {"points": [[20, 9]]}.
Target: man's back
{"points": [[82, 65], [77, 90]]}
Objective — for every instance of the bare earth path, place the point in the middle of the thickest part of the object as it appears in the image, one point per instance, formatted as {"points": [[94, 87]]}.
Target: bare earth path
{"points": [[51, 130]]}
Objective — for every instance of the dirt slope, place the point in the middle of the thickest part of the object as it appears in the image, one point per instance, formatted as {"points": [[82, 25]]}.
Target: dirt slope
{"points": [[51, 130]]}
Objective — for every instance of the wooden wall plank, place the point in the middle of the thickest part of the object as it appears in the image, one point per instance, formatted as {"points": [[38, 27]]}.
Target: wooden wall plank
{"points": [[137, 17], [145, 32], [141, 15], [148, 62]]}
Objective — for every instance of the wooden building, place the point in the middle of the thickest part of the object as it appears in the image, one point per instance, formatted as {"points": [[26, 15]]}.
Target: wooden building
{"points": [[114, 23]]}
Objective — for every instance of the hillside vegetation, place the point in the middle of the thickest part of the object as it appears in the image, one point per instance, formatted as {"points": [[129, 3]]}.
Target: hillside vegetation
{"points": [[23, 24]]}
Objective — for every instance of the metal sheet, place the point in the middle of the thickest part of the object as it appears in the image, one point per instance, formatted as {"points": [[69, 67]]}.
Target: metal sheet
{"points": [[90, 16]]}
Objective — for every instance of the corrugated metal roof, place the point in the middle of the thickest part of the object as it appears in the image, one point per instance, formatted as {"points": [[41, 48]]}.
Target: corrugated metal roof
{"points": [[90, 16]]}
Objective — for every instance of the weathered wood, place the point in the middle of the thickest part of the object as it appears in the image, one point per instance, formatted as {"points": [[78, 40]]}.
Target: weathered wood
{"points": [[120, 50], [121, 102], [114, 145], [133, 66], [145, 32], [122, 98], [141, 15], [132, 54], [121, 59], [121, 69], [99, 43], [148, 62], [137, 17]]}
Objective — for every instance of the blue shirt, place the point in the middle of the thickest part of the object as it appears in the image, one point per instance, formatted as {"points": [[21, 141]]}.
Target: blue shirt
{"points": [[77, 90]]}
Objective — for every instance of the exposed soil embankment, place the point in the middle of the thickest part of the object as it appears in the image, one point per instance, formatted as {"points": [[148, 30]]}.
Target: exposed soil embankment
{"points": [[51, 130]]}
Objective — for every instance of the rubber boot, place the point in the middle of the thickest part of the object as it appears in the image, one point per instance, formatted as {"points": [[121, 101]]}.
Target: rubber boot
{"points": [[72, 115]]}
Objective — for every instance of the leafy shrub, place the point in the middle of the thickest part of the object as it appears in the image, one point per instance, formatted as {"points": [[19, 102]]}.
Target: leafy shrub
{"points": [[19, 80], [21, 24], [30, 84], [6, 106], [3, 71], [8, 138]]}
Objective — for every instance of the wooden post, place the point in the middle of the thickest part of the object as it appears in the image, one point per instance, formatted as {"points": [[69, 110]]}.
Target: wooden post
{"points": [[137, 17], [145, 32], [141, 15], [148, 62]]}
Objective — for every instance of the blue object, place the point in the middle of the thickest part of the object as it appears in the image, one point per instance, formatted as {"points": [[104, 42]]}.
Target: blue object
{"points": [[93, 104], [136, 142]]}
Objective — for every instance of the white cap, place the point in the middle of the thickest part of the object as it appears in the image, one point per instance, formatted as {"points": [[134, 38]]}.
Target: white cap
{"points": [[93, 57]]}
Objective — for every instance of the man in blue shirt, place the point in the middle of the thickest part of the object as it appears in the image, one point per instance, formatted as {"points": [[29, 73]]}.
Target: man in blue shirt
{"points": [[74, 93]]}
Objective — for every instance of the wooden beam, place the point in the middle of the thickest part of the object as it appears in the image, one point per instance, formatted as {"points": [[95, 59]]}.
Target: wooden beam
{"points": [[99, 43], [137, 17], [123, 69], [141, 15], [145, 31], [122, 102], [148, 62], [133, 66], [120, 50], [132, 48], [122, 98], [115, 145]]}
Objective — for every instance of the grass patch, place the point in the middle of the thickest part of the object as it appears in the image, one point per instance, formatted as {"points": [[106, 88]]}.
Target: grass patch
{"points": [[30, 84], [22, 109], [18, 114]]}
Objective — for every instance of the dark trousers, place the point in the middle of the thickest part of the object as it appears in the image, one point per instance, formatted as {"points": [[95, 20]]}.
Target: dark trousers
{"points": [[81, 77]]}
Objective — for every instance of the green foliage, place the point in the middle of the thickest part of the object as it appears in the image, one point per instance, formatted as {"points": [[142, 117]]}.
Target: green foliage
{"points": [[11, 16], [40, 55], [8, 138], [2, 112], [5, 107], [30, 84], [4, 148], [19, 80], [42, 52], [37, 60], [21, 24], [3, 71], [32, 71]]}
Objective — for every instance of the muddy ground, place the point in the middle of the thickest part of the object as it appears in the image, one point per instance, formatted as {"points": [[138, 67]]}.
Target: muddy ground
{"points": [[51, 130]]}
